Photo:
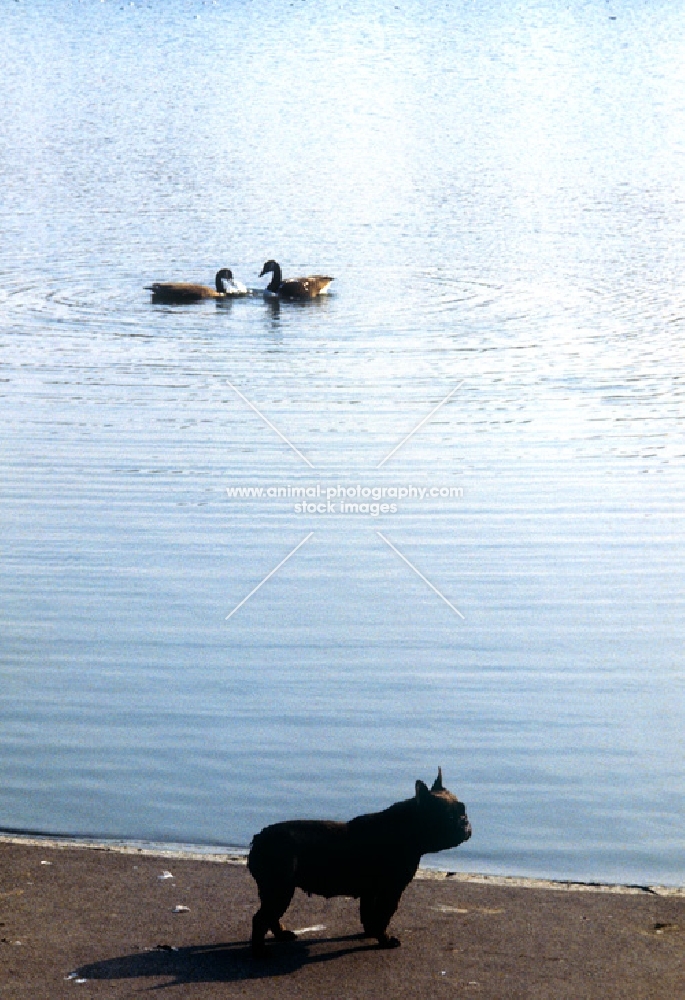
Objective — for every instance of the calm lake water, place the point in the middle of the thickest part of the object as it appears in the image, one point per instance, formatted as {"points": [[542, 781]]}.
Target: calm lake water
{"points": [[499, 192]]}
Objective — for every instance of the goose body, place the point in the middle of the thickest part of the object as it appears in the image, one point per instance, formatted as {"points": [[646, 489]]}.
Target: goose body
{"points": [[180, 292], [294, 288]]}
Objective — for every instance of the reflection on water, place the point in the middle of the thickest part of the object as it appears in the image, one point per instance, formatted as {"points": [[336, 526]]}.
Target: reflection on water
{"points": [[498, 196]]}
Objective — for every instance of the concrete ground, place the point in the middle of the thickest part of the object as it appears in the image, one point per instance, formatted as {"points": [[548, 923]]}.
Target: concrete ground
{"points": [[77, 922]]}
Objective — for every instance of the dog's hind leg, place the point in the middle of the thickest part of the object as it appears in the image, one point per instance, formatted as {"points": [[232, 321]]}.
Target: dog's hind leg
{"points": [[268, 917], [260, 925]]}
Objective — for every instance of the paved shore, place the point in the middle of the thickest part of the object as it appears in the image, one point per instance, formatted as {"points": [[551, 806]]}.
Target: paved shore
{"points": [[89, 922]]}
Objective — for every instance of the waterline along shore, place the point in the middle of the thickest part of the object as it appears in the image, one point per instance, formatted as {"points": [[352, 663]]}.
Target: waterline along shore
{"points": [[238, 856], [96, 915]]}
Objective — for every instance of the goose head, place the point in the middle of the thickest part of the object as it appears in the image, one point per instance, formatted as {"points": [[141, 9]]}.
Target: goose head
{"points": [[225, 274], [275, 283], [270, 267]]}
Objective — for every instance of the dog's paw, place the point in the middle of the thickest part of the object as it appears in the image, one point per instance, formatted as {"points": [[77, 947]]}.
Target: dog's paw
{"points": [[388, 941], [282, 934]]}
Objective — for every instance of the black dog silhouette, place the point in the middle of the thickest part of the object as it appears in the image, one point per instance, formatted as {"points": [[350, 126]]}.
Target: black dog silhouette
{"points": [[372, 858]]}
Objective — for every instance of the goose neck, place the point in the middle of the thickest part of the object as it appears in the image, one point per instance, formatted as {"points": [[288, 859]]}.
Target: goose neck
{"points": [[224, 273], [275, 283]]}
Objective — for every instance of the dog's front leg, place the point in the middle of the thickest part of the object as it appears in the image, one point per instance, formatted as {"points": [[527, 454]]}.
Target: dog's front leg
{"points": [[376, 910]]}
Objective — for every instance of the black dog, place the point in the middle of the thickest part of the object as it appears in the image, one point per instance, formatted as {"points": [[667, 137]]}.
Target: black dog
{"points": [[372, 858]]}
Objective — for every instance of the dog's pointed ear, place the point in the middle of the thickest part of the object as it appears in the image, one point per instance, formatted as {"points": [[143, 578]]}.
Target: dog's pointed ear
{"points": [[437, 784], [421, 790]]}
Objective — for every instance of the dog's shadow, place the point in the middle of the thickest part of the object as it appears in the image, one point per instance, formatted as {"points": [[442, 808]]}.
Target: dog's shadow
{"points": [[221, 963]]}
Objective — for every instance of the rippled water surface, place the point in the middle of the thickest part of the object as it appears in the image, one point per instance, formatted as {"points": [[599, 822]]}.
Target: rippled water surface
{"points": [[499, 192]]}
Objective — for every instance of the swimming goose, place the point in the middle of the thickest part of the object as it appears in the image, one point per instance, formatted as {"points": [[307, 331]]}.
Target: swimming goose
{"points": [[180, 292], [294, 288]]}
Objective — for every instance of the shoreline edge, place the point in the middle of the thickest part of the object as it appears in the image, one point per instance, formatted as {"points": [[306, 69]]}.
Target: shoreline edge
{"points": [[237, 856]]}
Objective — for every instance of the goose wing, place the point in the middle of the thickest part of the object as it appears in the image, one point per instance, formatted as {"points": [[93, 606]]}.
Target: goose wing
{"points": [[305, 288]]}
